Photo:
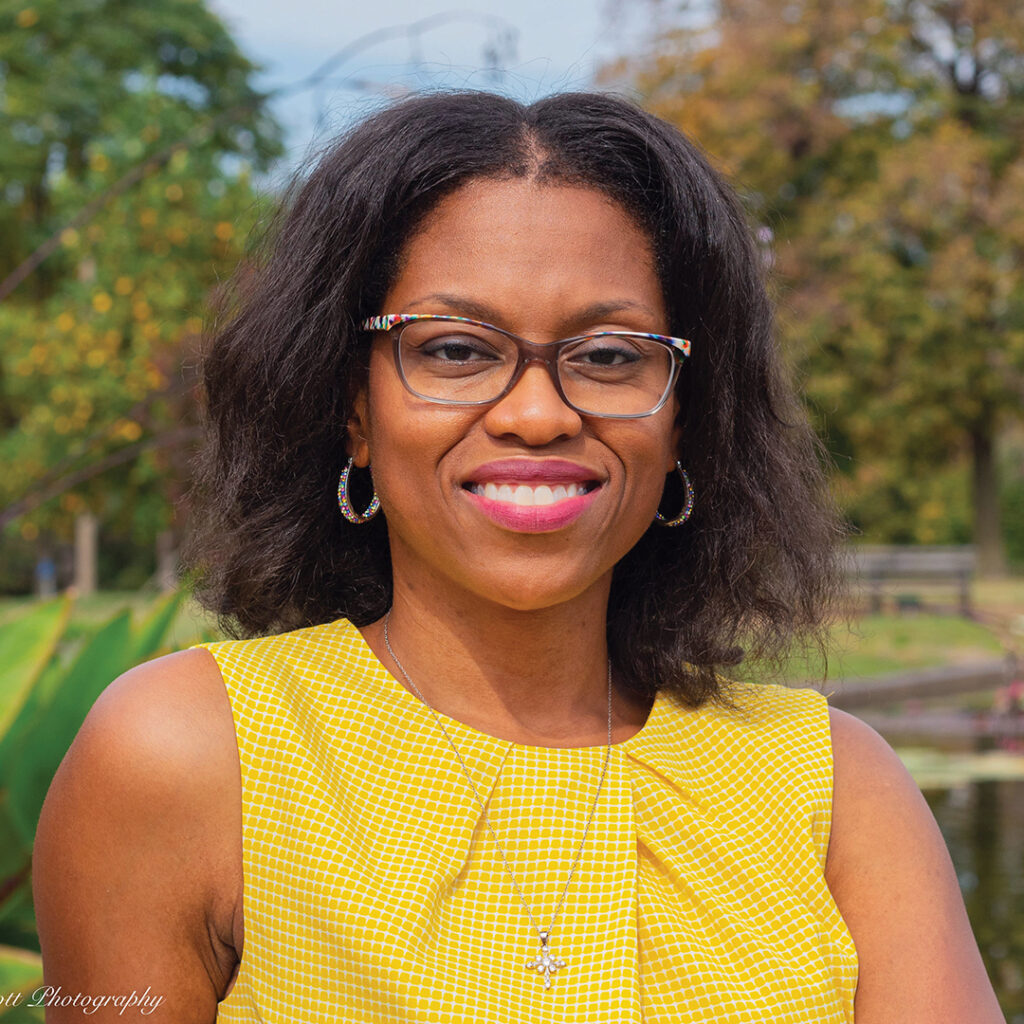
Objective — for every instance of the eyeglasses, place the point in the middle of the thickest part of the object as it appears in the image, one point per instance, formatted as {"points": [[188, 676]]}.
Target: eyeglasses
{"points": [[452, 360]]}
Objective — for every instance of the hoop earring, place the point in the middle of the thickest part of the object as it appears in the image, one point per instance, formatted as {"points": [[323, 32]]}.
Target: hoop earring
{"points": [[346, 506], [687, 503]]}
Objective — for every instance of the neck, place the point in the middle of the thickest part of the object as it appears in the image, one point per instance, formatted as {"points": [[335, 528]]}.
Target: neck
{"points": [[537, 677]]}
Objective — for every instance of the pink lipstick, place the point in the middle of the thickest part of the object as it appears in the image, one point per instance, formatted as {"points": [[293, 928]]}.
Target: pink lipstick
{"points": [[532, 496]]}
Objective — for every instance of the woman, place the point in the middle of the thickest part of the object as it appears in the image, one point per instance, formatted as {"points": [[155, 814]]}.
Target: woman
{"points": [[486, 770]]}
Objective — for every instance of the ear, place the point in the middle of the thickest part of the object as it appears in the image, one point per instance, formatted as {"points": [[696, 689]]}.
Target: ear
{"points": [[357, 443]]}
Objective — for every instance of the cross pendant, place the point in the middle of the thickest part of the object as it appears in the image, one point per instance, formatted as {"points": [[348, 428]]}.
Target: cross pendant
{"points": [[545, 962]]}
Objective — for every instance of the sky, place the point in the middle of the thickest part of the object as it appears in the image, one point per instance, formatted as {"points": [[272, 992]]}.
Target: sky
{"points": [[541, 46]]}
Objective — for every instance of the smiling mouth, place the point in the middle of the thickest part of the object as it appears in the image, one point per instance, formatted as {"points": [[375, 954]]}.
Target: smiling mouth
{"points": [[530, 495]]}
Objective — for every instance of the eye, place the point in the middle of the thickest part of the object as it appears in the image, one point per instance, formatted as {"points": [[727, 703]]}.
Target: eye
{"points": [[456, 348], [605, 352], [606, 356]]}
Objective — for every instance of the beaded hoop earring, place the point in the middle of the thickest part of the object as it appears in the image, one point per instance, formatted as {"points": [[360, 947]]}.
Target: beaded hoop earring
{"points": [[346, 506], [687, 502]]}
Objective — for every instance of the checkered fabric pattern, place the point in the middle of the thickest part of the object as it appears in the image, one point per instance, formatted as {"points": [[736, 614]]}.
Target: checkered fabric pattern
{"points": [[373, 891]]}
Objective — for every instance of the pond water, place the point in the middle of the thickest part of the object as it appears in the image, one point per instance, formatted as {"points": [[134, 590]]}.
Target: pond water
{"points": [[983, 823]]}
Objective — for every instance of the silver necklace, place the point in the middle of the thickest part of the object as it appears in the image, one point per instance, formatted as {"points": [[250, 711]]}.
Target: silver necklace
{"points": [[545, 962]]}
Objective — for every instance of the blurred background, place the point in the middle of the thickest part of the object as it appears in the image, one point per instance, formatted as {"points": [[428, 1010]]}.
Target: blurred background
{"points": [[879, 149]]}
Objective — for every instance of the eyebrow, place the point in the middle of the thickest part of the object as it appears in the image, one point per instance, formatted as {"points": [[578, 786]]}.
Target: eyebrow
{"points": [[481, 311]]}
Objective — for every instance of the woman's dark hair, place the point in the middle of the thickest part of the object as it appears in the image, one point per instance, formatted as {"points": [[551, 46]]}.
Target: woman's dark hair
{"points": [[755, 565]]}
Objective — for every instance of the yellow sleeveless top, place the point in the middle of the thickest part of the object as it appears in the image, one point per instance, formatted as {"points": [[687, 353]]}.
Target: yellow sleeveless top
{"points": [[373, 890]]}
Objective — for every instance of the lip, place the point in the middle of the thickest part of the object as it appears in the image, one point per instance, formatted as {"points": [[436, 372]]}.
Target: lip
{"points": [[531, 471], [534, 518]]}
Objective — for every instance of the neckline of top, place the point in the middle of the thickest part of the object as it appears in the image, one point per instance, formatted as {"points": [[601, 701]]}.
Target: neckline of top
{"points": [[402, 693]]}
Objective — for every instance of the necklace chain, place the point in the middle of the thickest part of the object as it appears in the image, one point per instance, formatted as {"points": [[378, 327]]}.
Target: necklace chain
{"points": [[543, 934]]}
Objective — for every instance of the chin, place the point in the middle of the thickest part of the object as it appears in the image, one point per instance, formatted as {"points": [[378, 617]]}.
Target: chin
{"points": [[535, 588]]}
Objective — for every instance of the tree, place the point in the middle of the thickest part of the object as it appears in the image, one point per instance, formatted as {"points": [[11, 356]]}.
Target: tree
{"points": [[879, 147], [96, 338]]}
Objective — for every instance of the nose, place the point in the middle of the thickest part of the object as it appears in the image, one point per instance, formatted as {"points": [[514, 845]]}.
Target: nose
{"points": [[533, 411]]}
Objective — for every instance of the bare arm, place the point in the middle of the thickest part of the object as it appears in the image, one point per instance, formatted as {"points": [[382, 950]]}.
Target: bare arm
{"points": [[135, 855], [893, 881]]}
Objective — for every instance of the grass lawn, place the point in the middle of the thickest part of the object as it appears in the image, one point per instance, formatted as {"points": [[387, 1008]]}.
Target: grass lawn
{"points": [[886, 643], [999, 595], [870, 645], [876, 644]]}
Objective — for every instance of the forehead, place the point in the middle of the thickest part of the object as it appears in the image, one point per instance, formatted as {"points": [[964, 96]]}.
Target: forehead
{"points": [[529, 249]]}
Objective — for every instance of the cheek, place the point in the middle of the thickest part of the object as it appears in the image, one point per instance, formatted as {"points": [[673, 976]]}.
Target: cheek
{"points": [[651, 451], [408, 441], [396, 420]]}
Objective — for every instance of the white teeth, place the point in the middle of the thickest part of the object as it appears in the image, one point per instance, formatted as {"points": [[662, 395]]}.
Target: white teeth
{"points": [[524, 494]]}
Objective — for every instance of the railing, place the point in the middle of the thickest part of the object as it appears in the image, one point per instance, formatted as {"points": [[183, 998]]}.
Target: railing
{"points": [[923, 683], [877, 566], [877, 701]]}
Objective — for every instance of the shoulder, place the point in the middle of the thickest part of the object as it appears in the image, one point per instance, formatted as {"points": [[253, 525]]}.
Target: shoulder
{"points": [[893, 881], [169, 720], [150, 791], [159, 742], [873, 796], [865, 766]]}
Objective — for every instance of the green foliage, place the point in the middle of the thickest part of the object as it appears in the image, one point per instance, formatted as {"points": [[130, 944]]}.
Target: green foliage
{"points": [[96, 340], [50, 675], [932, 506], [1013, 516], [21, 971], [880, 149], [1012, 500], [150, 633], [91, 84], [26, 644], [103, 658]]}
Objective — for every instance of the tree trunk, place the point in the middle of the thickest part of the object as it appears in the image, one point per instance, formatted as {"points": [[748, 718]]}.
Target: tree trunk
{"points": [[166, 561], [988, 534], [86, 537]]}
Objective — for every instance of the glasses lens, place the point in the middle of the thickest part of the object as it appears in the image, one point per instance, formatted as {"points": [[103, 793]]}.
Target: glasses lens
{"points": [[602, 374], [455, 362], [616, 375]]}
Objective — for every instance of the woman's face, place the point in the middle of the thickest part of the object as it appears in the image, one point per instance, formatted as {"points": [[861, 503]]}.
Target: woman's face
{"points": [[545, 262]]}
